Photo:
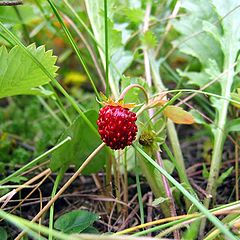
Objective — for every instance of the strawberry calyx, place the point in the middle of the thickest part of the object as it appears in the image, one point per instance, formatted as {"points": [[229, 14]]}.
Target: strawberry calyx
{"points": [[120, 103]]}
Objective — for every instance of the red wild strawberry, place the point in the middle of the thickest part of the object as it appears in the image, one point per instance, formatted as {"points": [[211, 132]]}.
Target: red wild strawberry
{"points": [[116, 126]]}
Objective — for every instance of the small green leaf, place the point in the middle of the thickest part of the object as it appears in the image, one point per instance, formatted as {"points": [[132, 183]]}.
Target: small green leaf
{"points": [[84, 142], [135, 15], [235, 97], [149, 39], [91, 230], [205, 172], [159, 200], [168, 166], [224, 175], [75, 221], [233, 125], [18, 179]]}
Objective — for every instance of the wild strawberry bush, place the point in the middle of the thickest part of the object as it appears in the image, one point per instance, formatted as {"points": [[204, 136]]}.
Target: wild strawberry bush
{"points": [[138, 98]]}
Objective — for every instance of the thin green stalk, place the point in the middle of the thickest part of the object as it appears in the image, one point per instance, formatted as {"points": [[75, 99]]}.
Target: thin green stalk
{"points": [[24, 28], [205, 93], [216, 232], [180, 165], [114, 90], [117, 181], [170, 102], [125, 188], [34, 161], [108, 179], [32, 228], [182, 174], [74, 45], [219, 133], [53, 114], [139, 191], [182, 221], [106, 45], [59, 104], [54, 190], [172, 133], [203, 102], [188, 195]]}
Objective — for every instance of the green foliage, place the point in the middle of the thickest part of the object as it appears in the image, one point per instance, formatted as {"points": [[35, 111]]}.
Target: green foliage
{"points": [[215, 45], [224, 175], [26, 130], [149, 40], [3, 234], [28, 14], [135, 15], [84, 142], [134, 95], [76, 221], [19, 74], [120, 58]]}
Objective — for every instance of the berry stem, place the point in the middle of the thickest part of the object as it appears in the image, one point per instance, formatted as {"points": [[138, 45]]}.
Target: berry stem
{"points": [[124, 92]]}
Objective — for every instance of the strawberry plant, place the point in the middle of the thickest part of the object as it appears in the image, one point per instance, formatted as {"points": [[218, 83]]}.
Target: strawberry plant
{"points": [[119, 118]]}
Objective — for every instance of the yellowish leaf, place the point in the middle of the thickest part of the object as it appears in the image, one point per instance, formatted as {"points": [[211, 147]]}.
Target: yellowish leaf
{"points": [[178, 115]]}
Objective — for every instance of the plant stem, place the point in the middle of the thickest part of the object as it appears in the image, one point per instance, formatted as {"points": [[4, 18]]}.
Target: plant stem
{"points": [[106, 44], [125, 188], [55, 186], [115, 164], [219, 134], [168, 194], [108, 180], [237, 167], [52, 113], [74, 45], [139, 192], [205, 211], [65, 187], [172, 133]]}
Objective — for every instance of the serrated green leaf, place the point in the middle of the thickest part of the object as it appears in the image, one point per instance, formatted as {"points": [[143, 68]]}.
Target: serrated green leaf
{"points": [[149, 40], [75, 221], [84, 142], [19, 74], [135, 15]]}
